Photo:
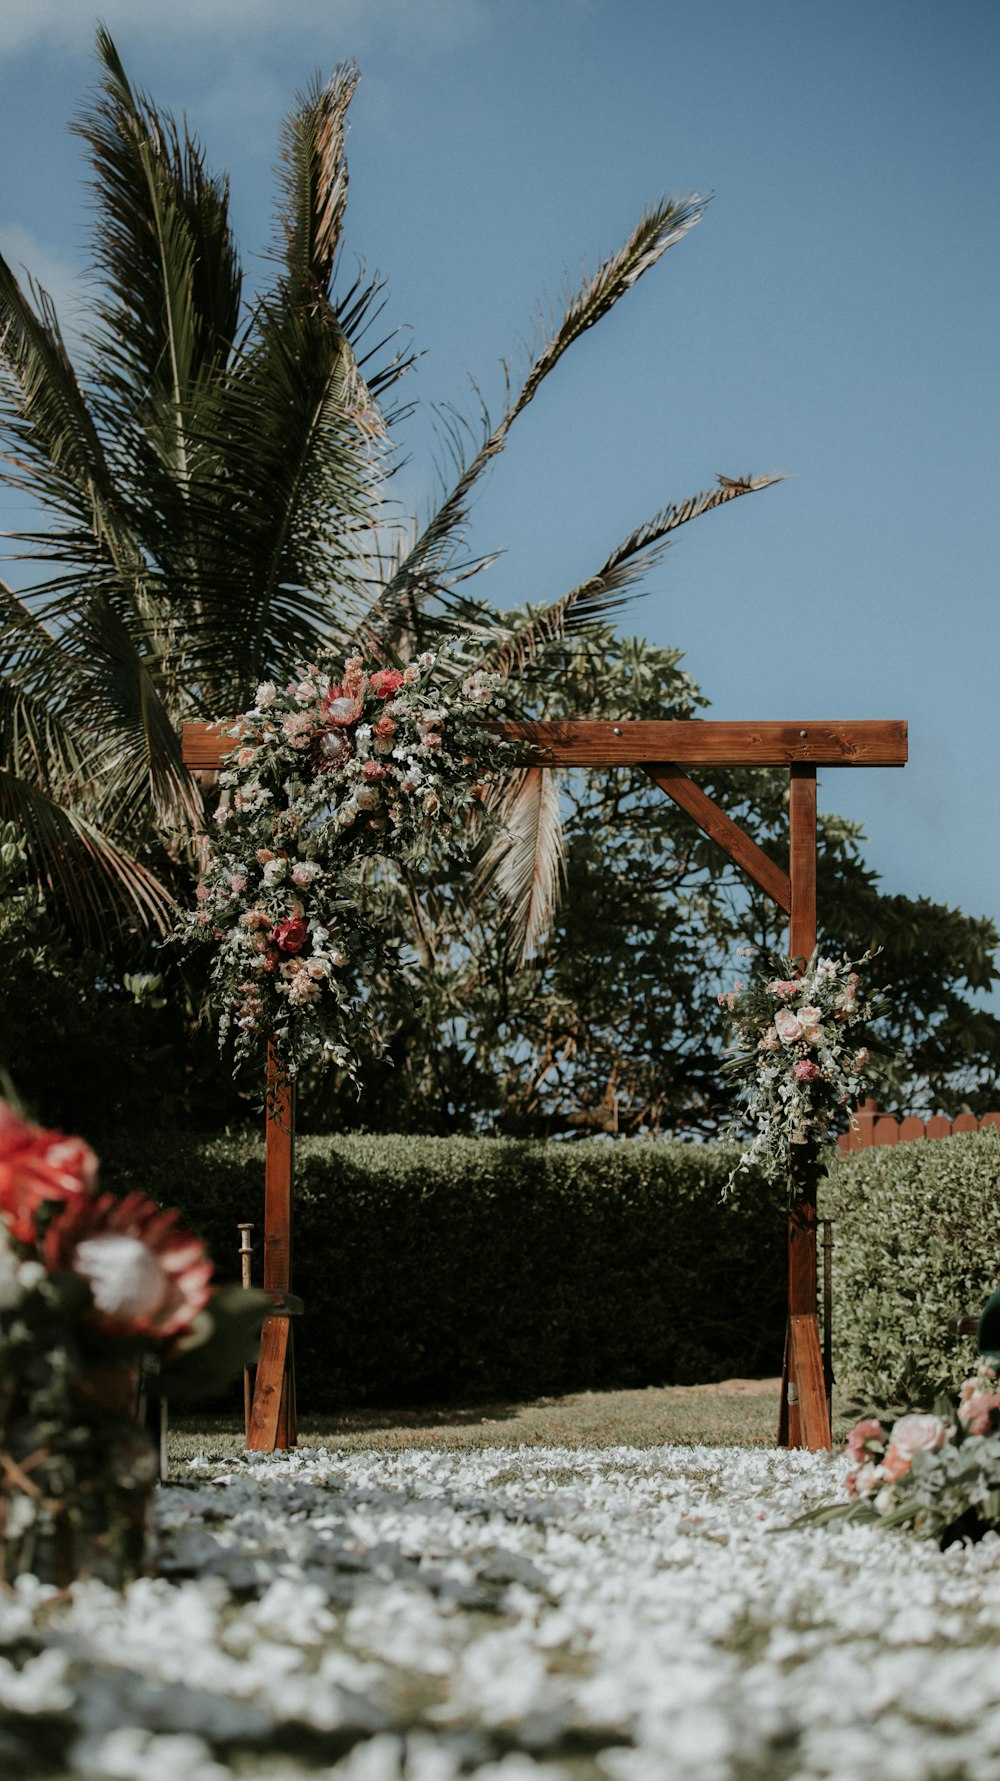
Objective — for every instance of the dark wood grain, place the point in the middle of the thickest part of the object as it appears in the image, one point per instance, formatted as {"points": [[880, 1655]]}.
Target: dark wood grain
{"points": [[591, 742]]}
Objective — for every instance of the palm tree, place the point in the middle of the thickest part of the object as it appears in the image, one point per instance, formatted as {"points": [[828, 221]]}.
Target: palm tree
{"points": [[211, 492]]}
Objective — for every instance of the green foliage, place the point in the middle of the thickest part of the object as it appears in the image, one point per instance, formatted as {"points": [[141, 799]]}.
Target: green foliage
{"points": [[458, 1269], [614, 1024], [915, 1247]]}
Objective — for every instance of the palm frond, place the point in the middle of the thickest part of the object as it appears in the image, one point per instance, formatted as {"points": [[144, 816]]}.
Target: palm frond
{"points": [[314, 179], [657, 230], [94, 880], [601, 593], [173, 277], [524, 862], [52, 448]]}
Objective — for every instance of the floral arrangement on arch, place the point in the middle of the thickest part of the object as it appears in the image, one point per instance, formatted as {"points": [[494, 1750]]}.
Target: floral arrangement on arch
{"points": [[329, 774], [797, 1056], [90, 1286], [934, 1474]]}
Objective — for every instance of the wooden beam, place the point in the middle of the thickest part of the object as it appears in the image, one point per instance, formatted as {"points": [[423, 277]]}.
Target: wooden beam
{"points": [[700, 743], [588, 742], [721, 829]]}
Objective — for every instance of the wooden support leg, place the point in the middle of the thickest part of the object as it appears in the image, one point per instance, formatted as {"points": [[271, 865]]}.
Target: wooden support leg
{"points": [[272, 1417], [804, 1418]]}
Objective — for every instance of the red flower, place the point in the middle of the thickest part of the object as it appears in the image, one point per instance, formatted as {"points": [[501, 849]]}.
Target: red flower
{"points": [[147, 1277], [386, 682], [36, 1166], [290, 935]]}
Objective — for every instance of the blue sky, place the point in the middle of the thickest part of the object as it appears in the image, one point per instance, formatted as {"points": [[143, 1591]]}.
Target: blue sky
{"points": [[833, 317]]}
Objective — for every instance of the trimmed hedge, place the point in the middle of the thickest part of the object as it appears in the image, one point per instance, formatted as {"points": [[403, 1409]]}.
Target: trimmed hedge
{"points": [[484, 1269], [917, 1243]]}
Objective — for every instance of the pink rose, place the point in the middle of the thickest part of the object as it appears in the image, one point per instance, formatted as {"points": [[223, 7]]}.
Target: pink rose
{"points": [[290, 936], [769, 1041], [910, 1435], [373, 771], [384, 728], [787, 1026], [386, 682], [806, 1070], [37, 1166]]}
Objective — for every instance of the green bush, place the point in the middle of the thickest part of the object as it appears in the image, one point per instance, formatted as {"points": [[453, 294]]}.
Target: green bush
{"points": [[916, 1244], [457, 1268]]}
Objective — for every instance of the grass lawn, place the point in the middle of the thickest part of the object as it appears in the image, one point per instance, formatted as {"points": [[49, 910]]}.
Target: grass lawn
{"points": [[735, 1413]]}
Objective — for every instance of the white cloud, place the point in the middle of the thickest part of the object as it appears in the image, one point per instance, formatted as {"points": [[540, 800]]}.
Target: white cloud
{"points": [[408, 24]]}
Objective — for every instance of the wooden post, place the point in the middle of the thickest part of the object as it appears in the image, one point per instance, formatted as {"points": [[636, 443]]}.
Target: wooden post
{"points": [[804, 1419], [272, 1416]]}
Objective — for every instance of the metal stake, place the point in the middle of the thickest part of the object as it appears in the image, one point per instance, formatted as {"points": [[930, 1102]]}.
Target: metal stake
{"points": [[246, 1256]]}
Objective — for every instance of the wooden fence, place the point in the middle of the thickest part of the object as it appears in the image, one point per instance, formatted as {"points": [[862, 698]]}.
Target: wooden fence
{"points": [[872, 1126]]}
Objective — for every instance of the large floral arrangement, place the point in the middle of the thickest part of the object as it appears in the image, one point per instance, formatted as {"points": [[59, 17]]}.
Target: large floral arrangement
{"points": [[330, 774], [937, 1474], [797, 1057], [89, 1286]]}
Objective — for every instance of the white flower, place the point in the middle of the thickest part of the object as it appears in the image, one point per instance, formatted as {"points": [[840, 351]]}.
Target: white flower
{"points": [[265, 695]]}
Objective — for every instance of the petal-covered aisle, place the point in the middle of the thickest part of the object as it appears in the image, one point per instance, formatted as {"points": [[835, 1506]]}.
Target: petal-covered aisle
{"points": [[613, 1615]]}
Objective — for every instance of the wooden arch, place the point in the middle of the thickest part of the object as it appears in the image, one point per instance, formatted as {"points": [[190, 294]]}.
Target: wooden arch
{"points": [[663, 750]]}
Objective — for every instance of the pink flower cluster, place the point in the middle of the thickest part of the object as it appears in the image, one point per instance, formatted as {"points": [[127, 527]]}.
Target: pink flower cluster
{"points": [[146, 1277], [979, 1400], [876, 1464]]}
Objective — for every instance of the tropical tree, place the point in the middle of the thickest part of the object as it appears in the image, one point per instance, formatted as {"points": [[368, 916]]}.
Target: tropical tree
{"points": [[211, 485]]}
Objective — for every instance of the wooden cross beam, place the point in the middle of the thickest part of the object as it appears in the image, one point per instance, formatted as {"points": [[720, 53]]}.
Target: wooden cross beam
{"points": [[661, 748]]}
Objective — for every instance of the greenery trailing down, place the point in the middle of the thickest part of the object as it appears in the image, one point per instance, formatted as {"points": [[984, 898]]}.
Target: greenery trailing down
{"points": [[437, 1270], [915, 1247]]}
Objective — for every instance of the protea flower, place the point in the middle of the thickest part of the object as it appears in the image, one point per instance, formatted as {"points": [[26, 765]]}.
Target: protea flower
{"points": [[35, 1166], [147, 1277]]}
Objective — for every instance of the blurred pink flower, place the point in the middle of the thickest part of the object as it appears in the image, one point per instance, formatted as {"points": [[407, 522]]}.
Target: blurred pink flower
{"points": [[147, 1277]]}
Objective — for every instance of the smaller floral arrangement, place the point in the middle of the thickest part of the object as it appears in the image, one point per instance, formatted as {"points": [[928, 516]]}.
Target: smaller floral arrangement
{"points": [[89, 1286], [331, 776], [936, 1474], [797, 1053]]}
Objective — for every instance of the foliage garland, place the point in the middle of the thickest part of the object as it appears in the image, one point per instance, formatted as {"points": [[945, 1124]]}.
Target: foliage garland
{"points": [[797, 1064], [329, 780]]}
